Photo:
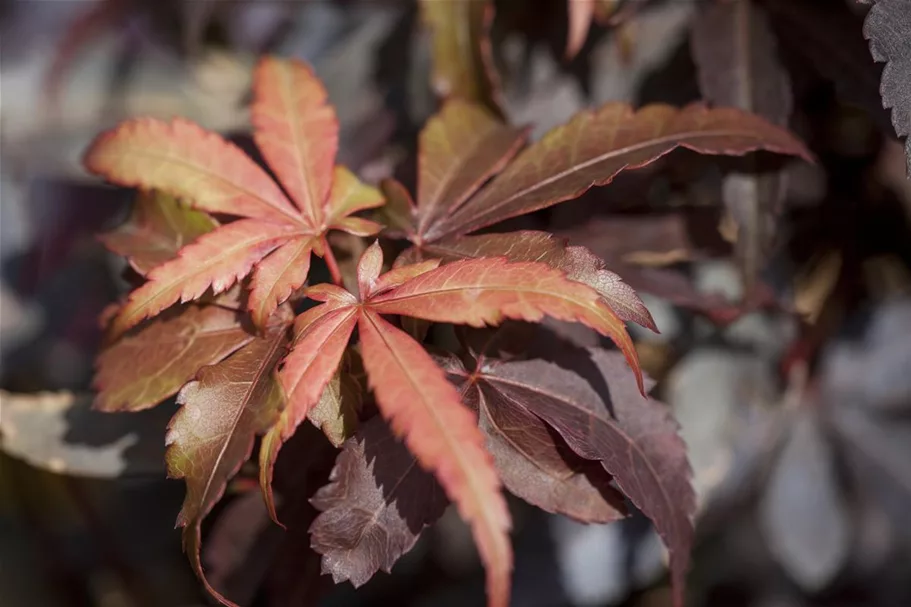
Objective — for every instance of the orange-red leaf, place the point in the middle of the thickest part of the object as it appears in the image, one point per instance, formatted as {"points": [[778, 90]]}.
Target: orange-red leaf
{"points": [[596, 145], [460, 148], [278, 276], [217, 260], [578, 263], [425, 410], [484, 291], [183, 159], [309, 367], [297, 132], [141, 370]]}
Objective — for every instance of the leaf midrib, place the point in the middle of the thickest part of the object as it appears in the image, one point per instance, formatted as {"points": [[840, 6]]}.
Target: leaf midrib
{"points": [[491, 209]]}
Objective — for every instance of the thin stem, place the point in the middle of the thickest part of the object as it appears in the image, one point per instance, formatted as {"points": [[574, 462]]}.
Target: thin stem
{"points": [[332, 263]]}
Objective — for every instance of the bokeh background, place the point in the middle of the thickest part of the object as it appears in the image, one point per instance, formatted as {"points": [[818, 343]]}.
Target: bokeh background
{"points": [[794, 402]]}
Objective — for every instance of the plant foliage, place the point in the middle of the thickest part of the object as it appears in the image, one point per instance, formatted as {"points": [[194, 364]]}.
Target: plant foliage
{"points": [[569, 430]]}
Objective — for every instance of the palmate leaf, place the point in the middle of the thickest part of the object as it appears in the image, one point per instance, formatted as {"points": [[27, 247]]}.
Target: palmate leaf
{"points": [[888, 28], [532, 461], [212, 434], [590, 150], [298, 135], [412, 392], [587, 397], [144, 368], [735, 53]]}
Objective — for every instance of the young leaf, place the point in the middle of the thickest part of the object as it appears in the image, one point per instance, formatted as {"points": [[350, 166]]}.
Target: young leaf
{"points": [[483, 291], [735, 53], [336, 413], [596, 145], [144, 368], [212, 434], [297, 134], [460, 148], [462, 61], [578, 263], [278, 276], [636, 441], [888, 28], [158, 227], [425, 410], [318, 349], [216, 260], [532, 461], [373, 511]]}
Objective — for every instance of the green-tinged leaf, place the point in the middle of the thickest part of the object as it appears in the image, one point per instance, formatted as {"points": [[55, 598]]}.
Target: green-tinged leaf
{"points": [[158, 227], [152, 363], [462, 61], [460, 148], [337, 411]]}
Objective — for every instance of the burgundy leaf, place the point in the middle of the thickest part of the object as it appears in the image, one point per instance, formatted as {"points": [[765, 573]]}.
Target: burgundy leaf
{"points": [[378, 502], [599, 413]]}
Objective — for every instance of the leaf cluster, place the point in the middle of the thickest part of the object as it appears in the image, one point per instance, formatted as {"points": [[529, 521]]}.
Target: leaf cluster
{"points": [[225, 319]]}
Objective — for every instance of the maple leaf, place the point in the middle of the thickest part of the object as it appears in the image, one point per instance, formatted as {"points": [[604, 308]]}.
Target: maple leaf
{"points": [[734, 49], [452, 202], [411, 390], [297, 133], [888, 28], [375, 507], [157, 229], [588, 398], [533, 462], [462, 57], [212, 434], [150, 365]]}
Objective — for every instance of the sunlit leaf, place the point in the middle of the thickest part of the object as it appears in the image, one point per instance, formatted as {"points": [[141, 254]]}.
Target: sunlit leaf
{"points": [[146, 367], [425, 410]]}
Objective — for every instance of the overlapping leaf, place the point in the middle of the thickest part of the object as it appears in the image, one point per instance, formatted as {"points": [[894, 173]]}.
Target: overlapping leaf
{"points": [[532, 461], [412, 392], [462, 61], [734, 49], [888, 28], [212, 434], [588, 398], [157, 229], [144, 368], [373, 511], [297, 133], [596, 145]]}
